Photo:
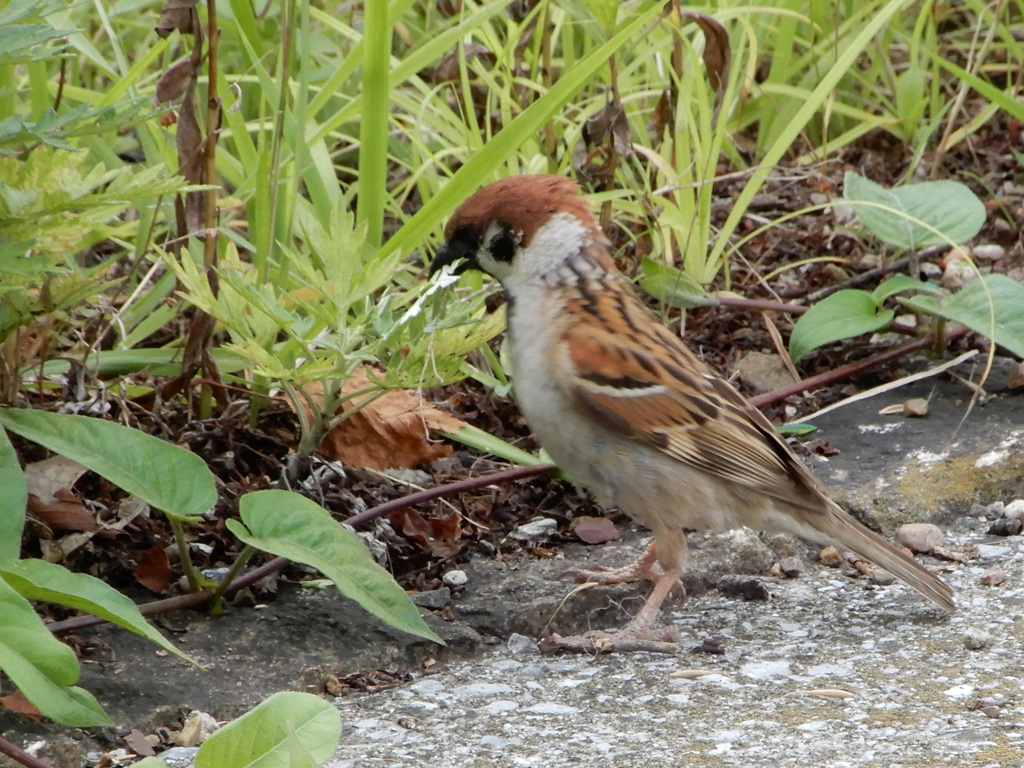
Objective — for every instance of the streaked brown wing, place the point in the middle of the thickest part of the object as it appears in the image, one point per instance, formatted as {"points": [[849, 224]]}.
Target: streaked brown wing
{"points": [[664, 396]]}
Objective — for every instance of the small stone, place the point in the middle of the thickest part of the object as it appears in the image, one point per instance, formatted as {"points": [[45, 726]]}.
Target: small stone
{"points": [[905, 322], [198, 727], [991, 552], [869, 261], [537, 529], [830, 556], [920, 537], [521, 645], [415, 477], [818, 198], [916, 407], [988, 252], [957, 274], [216, 574], [178, 757], [762, 371], [1007, 526], [455, 578], [882, 578], [1015, 378], [747, 587], [976, 638], [1014, 509], [791, 567], [994, 510], [930, 271], [433, 599], [844, 212], [992, 577]]}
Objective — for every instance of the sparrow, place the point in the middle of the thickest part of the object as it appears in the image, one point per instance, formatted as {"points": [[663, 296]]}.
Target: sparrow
{"points": [[627, 410]]}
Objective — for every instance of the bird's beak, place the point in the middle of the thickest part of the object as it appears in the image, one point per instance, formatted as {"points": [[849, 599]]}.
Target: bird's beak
{"points": [[450, 253]]}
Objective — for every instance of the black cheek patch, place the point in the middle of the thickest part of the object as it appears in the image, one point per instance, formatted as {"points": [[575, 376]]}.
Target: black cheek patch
{"points": [[503, 246]]}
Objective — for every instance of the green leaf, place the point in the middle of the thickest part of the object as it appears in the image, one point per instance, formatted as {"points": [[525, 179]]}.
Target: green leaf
{"points": [[39, 580], [13, 497], [899, 284], [671, 285], [840, 316], [292, 526], [911, 95], [163, 475], [992, 306], [264, 737], [485, 441], [42, 667], [916, 215]]}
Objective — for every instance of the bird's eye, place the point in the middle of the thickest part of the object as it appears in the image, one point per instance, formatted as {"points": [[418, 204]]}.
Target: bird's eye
{"points": [[503, 245]]}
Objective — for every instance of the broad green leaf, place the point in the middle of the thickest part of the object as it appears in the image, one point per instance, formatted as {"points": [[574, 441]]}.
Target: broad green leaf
{"points": [[299, 755], [292, 526], [671, 285], [42, 667], [899, 284], [840, 316], [993, 306], [260, 738], [13, 497], [48, 582], [916, 215], [163, 475]]}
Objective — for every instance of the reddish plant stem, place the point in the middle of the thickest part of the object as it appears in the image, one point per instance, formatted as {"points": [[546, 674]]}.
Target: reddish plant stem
{"points": [[851, 369], [19, 755]]}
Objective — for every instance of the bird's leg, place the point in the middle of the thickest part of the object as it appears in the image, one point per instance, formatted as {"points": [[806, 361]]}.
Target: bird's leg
{"points": [[642, 633], [647, 618]]}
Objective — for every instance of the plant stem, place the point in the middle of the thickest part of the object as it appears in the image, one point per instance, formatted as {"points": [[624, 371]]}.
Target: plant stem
{"points": [[232, 574], [186, 561]]}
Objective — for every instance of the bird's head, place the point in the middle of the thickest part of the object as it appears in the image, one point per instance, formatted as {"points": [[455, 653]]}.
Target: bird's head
{"points": [[519, 230]]}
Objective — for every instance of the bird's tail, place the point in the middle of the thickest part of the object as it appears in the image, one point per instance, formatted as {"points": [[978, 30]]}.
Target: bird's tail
{"points": [[850, 533]]}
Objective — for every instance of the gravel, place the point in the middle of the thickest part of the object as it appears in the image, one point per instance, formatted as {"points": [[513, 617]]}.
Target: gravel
{"points": [[828, 672]]}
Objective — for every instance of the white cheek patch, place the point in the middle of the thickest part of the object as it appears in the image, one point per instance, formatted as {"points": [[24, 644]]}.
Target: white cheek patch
{"points": [[554, 246]]}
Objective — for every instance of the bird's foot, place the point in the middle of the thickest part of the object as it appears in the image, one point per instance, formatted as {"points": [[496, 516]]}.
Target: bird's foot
{"points": [[630, 639], [607, 576], [643, 568]]}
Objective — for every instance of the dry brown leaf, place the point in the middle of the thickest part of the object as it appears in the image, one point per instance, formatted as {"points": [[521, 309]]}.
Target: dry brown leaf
{"points": [[177, 15], [439, 534], [172, 83], [154, 570], [717, 51], [16, 702], [66, 513], [44, 478], [139, 744], [389, 433]]}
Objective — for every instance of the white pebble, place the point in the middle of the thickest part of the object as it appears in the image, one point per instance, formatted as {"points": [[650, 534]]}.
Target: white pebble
{"points": [[455, 578]]}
